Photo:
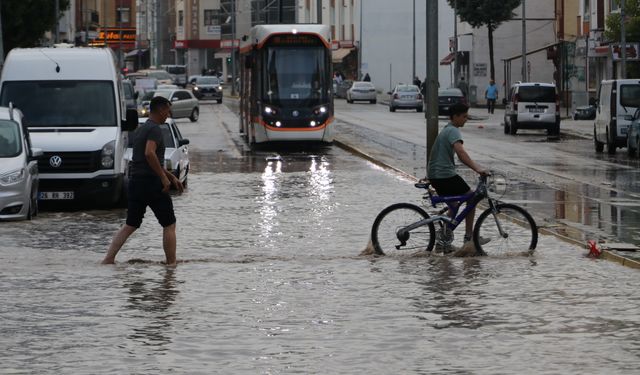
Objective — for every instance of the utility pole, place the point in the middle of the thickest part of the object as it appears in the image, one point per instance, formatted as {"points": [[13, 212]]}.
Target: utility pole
{"points": [[360, 43], [431, 113], [233, 46], [524, 43], [456, 69], [1, 39], [57, 12], [413, 61], [623, 41]]}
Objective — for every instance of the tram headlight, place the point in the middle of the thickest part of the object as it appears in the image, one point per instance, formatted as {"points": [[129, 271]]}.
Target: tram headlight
{"points": [[320, 111], [278, 124], [269, 110], [313, 123]]}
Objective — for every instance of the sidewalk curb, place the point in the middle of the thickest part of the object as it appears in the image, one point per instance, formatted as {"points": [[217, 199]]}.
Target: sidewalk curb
{"points": [[606, 254]]}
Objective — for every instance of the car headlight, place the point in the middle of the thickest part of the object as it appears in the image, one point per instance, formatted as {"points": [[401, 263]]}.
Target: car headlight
{"points": [[220, 88], [108, 151], [12, 177], [195, 88]]}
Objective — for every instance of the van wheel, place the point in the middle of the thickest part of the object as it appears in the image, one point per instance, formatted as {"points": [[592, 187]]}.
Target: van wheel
{"points": [[419, 109], [506, 126], [220, 101], [598, 145], [513, 127], [611, 146], [637, 148], [195, 114], [392, 108], [33, 208]]}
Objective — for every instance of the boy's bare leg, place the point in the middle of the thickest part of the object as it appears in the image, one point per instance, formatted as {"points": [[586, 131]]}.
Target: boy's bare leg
{"points": [[169, 244], [118, 240]]}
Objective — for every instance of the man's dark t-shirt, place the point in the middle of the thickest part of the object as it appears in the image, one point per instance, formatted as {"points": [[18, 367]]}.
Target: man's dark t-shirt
{"points": [[139, 167]]}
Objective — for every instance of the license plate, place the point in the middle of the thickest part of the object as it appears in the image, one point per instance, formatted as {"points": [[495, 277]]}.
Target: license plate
{"points": [[536, 110], [55, 195]]}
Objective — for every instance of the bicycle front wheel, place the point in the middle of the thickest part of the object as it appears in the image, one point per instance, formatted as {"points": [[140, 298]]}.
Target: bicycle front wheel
{"points": [[388, 235], [510, 230]]}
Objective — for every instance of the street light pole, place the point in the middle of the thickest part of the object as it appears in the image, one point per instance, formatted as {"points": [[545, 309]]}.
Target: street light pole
{"points": [[1, 38], [623, 42], [360, 44], [413, 61], [431, 112], [456, 67], [233, 44], [524, 43]]}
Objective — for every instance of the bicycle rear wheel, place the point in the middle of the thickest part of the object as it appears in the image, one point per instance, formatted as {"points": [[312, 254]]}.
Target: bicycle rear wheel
{"points": [[387, 236], [519, 231]]}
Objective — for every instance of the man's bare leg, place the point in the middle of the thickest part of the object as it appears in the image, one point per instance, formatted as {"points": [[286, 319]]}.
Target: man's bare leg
{"points": [[169, 244], [118, 240]]}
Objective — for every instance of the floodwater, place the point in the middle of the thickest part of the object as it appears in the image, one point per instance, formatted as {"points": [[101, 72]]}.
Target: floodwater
{"points": [[270, 281]]}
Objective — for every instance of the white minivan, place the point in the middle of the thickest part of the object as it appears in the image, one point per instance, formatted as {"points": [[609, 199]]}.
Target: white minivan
{"points": [[73, 104], [618, 100]]}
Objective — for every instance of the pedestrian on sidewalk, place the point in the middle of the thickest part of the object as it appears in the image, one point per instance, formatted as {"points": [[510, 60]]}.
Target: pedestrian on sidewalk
{"points": [[149, 184], [441, 170], [417, 82], [491, 94], [367, 78], [462, 85]]}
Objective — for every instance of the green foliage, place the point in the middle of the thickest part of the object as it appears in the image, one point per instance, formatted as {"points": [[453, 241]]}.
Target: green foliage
{"points": [[490, 13], [24, 22], [631, 26]]}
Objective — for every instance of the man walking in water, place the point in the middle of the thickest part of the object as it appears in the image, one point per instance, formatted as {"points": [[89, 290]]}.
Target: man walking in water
{"points": [[149, 184]]}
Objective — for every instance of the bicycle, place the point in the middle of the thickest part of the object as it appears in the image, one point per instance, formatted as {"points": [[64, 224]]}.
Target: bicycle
{"points": [[406, 226]]}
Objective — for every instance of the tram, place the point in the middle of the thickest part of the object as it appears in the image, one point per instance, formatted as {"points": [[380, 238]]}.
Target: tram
{"points": [[285, 84]]}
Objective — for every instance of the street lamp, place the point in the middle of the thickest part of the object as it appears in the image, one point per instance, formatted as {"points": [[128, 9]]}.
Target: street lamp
{"points": [[360, 43]]}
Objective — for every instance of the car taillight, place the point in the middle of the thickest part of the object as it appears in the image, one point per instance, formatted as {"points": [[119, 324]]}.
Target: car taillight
{"points": [[419, 97], [395, 96], [516, 98]]}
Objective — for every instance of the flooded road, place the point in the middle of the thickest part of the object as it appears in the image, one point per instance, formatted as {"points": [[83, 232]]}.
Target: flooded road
{"points": [[270, 281]]}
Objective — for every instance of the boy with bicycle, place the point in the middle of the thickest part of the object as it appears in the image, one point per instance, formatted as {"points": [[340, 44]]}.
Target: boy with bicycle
{"points": [[442, 175]]}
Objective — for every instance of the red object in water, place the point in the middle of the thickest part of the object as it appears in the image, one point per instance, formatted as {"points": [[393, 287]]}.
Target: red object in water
{"points": [[594, 251]]}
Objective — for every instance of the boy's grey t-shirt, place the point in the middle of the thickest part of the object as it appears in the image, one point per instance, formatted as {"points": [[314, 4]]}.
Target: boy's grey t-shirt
{"points": [[139, 167], [441, 163]]}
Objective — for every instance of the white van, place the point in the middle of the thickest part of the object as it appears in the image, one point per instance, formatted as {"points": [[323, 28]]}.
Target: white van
{"points": [[618, 100], [74, 107]]}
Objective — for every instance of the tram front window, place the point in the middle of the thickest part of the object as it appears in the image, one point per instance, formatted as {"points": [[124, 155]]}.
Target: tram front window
{"points": [[295, 76]]}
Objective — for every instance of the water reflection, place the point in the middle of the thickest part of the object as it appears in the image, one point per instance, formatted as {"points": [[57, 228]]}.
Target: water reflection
{"points": [[150, 299]]}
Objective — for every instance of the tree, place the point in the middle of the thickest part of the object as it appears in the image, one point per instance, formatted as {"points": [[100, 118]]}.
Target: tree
{"points": [[490, 13], [24, 22], [631, 28]]}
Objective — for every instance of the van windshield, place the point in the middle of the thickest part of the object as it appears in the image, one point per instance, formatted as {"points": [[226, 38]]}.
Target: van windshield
{"points": [[537, 94], [10, 142], [62, 103], [176, 69], [630, 95]]}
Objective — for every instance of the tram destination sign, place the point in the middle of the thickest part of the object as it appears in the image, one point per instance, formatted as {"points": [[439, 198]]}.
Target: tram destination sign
{"points": [[295, 40]]}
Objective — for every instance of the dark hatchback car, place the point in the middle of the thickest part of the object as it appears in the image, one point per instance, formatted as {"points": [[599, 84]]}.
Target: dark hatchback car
{"points": [[208, 87], [449, 97]]}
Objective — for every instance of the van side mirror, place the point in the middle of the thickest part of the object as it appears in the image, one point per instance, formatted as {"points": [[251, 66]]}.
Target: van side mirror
{"points": [[36, 153], [135, 95], [183, 141], [389, 92], [131, 123]]}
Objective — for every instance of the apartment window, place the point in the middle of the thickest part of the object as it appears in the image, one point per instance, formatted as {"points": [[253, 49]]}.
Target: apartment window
{"points": [[613, 5], [211, 17], [122, 15], [181, 18]]}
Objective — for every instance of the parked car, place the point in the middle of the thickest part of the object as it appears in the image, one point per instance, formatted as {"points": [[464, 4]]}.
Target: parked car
{"points": [[405, 97], [341, 89], [207, 87], [586, 112], [176, 153], [449, 97], [362, 91], [617, 101], [183, 103], [633, 136], [162, 76], [130, 94], [532, 105], [19, 177]]}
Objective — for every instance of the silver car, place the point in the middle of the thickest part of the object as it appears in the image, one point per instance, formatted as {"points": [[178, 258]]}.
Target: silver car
{"points": [[18, 168], [183, 103], [405, 97], [362, 91]]}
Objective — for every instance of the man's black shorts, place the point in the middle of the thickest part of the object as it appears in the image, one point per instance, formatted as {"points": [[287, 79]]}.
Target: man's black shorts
{"points": [[455, 185], [147, 191]]}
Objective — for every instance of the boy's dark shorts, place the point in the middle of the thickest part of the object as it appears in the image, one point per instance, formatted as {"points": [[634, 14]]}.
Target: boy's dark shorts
{"points": [[147, 191], [455, 185]]}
